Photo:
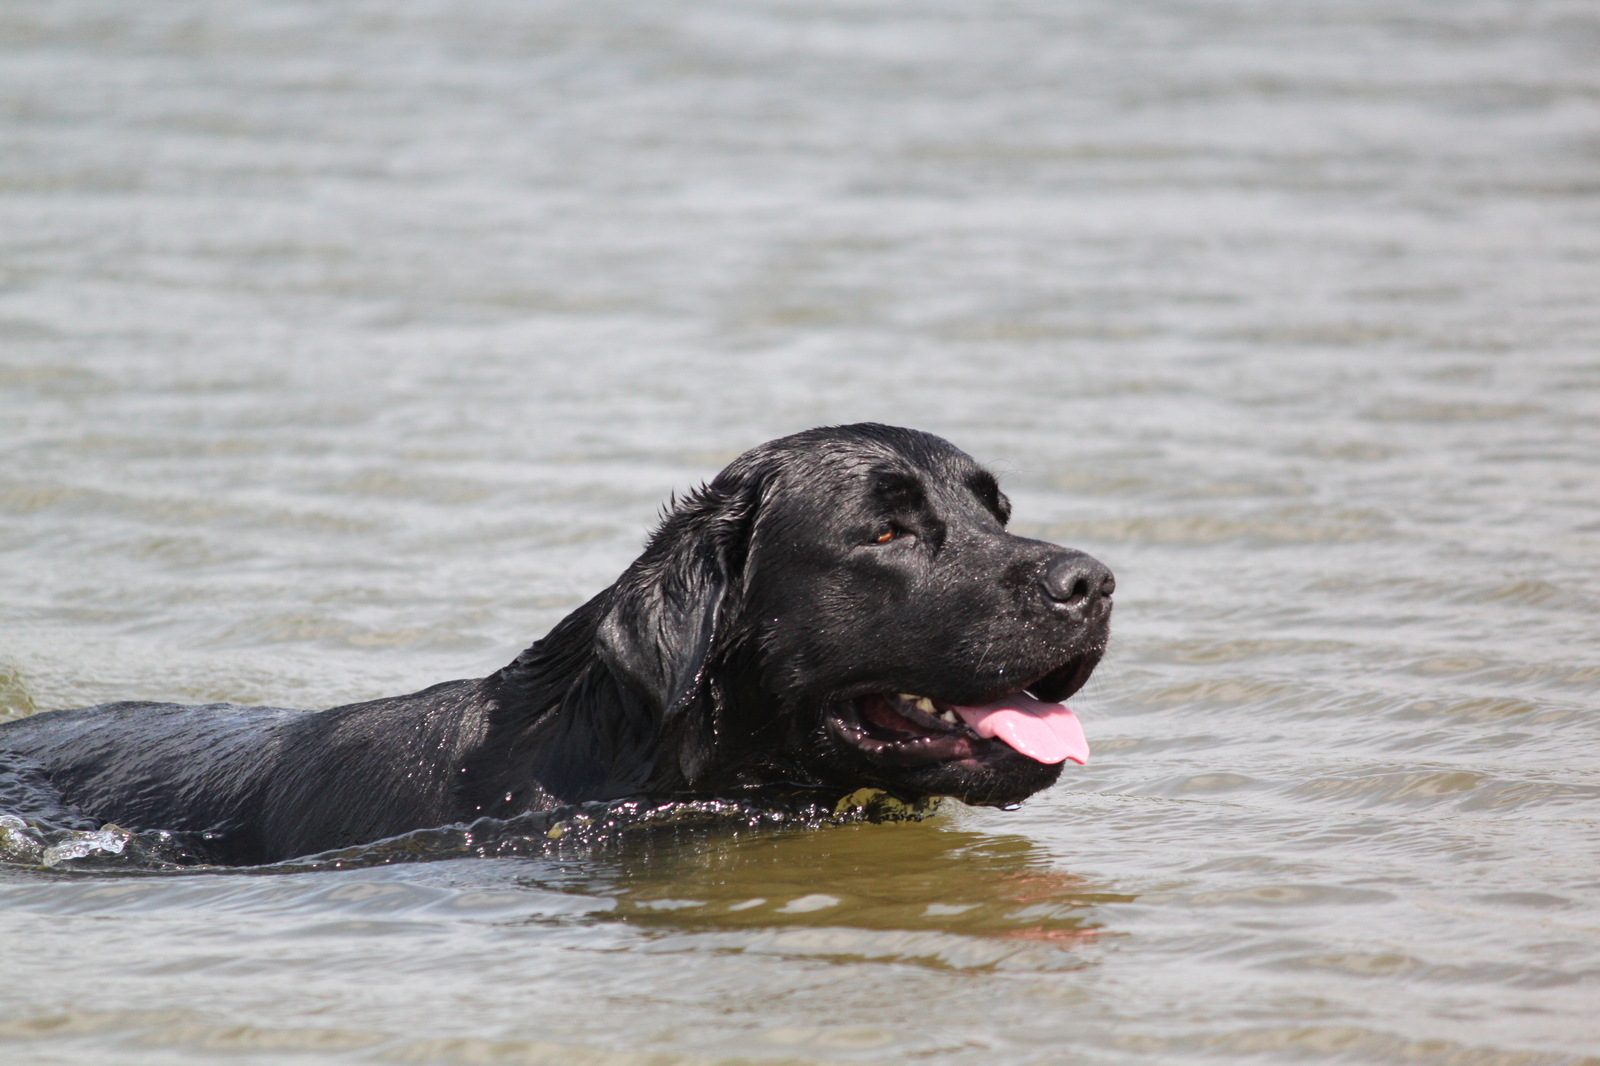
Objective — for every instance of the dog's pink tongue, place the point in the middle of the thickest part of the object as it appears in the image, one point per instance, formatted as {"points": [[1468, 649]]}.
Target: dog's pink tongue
{"points": [[1047, 732]]}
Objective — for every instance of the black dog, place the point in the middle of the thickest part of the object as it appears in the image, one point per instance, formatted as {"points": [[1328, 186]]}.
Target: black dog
{"points": [[837, 609]]}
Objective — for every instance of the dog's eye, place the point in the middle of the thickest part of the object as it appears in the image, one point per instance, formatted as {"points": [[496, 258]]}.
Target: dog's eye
{"points": [[888, 533]]}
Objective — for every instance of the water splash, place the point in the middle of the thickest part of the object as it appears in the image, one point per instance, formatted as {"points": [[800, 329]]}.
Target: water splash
{"points": [[569, 829], [30, 842], [584, 827]]}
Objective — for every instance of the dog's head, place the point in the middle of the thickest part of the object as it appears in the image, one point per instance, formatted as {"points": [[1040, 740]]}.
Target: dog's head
{"points": [[844, 607]]}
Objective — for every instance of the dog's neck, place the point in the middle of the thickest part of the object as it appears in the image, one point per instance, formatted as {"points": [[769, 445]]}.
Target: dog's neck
{"points": [[563, 727]]}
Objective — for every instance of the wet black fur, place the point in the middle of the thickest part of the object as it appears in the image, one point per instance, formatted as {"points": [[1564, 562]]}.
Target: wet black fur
{"points": [[761, 606]]}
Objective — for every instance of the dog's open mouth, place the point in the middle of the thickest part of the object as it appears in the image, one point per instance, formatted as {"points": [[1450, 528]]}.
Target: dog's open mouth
{"points": [[905, 729]]}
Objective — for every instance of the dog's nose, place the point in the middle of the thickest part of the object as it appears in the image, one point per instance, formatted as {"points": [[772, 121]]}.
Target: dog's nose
{"points": [[1077, 580]]}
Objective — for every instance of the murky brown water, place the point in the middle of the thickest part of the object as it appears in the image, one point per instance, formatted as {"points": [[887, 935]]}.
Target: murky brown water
{"points": [[345, 347]]}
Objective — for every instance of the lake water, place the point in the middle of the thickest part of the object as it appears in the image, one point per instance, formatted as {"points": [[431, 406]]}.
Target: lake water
{"points": [[344, 347]]}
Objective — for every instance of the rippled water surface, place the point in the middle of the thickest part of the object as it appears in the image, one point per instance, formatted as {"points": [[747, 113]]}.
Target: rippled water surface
{"points": [[344, 347]]}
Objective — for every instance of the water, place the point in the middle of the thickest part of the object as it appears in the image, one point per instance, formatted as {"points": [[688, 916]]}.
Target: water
{"points": [[344, 348]]}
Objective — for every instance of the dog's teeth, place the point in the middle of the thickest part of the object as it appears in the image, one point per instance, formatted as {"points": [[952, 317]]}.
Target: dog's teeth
{"points": [[906, 697], [948, 716], [925, 705]]}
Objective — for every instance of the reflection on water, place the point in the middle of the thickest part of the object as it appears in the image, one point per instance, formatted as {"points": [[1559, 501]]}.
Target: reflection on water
{"points": [[345, 348], [918, 892], [939, 906]]}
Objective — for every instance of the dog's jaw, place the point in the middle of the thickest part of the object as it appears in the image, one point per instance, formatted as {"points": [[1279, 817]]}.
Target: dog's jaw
{"points": [[994, 753]]}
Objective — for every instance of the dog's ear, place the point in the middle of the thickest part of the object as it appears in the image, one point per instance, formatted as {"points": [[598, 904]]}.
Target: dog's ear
{"points": [[670, 607]]}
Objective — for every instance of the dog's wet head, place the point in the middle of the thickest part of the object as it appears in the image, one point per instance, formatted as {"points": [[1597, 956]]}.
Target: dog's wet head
{"points": [[870, 622]]}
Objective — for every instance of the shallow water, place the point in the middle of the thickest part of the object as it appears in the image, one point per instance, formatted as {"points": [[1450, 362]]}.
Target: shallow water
{"points": [[344, 348]]}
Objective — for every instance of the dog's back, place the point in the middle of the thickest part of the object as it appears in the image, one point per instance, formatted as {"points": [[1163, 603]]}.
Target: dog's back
{"points": [[261, 782], [153, 765]]}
